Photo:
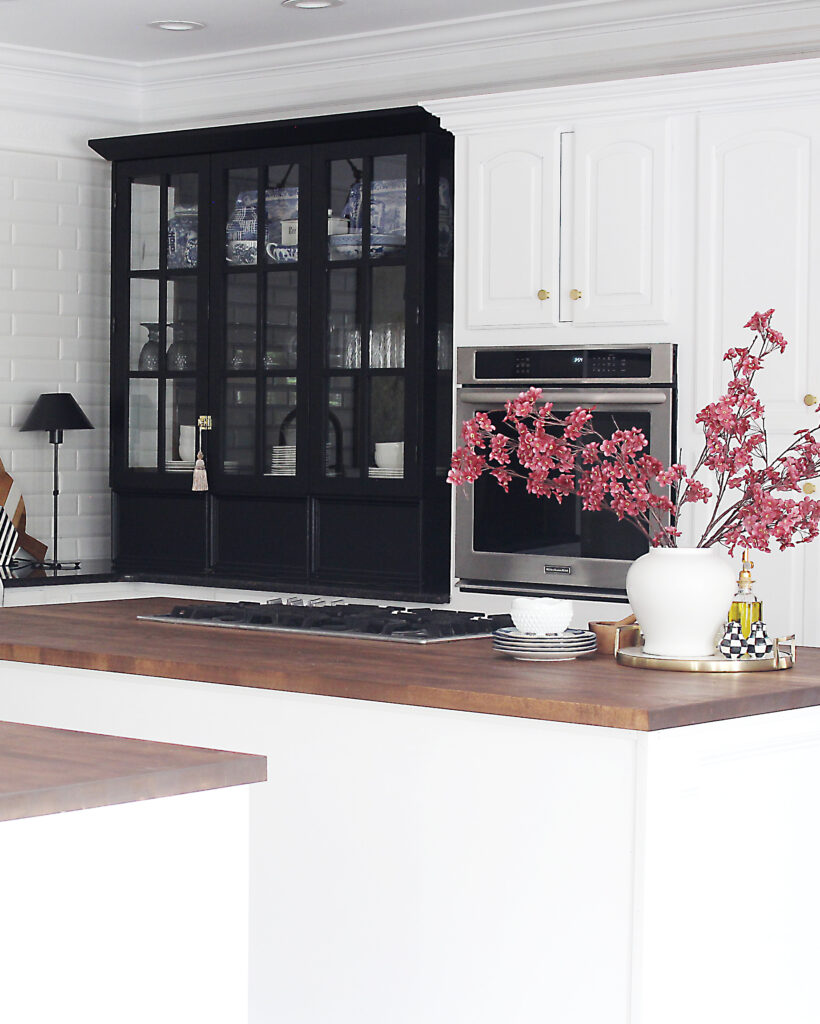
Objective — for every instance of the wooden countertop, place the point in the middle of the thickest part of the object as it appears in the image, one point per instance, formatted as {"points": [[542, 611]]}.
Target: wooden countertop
{"points": [[43, 771], [464, 675]]}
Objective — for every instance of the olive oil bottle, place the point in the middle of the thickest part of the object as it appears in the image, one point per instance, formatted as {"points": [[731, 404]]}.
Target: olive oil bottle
{"points": [[746, 609]]}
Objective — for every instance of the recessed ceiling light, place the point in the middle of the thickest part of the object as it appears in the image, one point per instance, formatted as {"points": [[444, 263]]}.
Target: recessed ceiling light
{"points": [[176, 26], [312, 5]]}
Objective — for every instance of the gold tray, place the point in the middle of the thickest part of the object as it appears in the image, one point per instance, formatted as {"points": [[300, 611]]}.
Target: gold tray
{"points": [[784, 655]]}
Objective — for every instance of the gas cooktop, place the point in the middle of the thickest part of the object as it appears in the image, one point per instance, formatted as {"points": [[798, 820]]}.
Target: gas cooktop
{"points": [[332, 618]]}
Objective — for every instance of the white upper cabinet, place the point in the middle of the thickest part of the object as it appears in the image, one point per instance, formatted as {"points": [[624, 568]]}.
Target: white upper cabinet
{"points": [[759, 248], [618, 224], [511, 233], [567, 227]]}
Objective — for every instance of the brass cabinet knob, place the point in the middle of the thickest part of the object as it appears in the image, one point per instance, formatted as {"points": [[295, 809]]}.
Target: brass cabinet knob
{"points": [[809, 488], [543, 295], [575, 294], [809, 399]]}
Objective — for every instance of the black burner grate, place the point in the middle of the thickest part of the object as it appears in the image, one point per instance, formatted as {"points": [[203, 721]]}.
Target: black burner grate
{"points": [[391, 622]]}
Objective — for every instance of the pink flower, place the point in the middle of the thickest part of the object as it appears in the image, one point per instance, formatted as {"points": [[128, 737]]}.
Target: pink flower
{"points": [[696, 491], [759, 321], [523, 405], [557, 456], [575, 421]]}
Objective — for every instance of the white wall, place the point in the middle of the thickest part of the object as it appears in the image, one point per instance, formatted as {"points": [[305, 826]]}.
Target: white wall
{"points": [[54, 281]]}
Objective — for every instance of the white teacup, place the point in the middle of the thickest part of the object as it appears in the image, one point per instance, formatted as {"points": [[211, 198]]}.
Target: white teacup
{"points": [[390, 454], [541, 616]]}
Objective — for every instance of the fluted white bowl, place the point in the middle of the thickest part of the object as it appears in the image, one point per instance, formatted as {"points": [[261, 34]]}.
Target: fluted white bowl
{"points": [[541, 615]]}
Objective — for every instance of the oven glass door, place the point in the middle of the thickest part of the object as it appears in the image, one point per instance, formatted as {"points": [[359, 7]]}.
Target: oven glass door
{"points": [[518, 537]]}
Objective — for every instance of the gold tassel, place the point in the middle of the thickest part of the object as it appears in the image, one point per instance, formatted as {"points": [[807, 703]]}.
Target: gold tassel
{"points": [[200, 479]]}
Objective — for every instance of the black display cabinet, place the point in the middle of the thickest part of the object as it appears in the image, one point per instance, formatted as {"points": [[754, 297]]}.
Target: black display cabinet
{"points": [[289, 286]]}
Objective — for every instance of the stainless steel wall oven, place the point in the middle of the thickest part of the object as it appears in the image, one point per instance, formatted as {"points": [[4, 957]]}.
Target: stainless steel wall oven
{"points": [[514, 542]]}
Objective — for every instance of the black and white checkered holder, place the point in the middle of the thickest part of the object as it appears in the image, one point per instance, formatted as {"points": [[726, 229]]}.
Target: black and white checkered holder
{"points": [[735, 645], [758, 645]]}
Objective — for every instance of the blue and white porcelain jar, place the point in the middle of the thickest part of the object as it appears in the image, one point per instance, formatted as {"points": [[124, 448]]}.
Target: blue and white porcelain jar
{"points": [[183, 229], [241, 230]]}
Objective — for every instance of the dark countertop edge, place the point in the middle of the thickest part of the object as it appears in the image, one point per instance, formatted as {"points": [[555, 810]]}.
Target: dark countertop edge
{"points": [[109, 575]]}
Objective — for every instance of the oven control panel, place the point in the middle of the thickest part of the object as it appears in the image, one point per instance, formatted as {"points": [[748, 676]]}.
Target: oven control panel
{"points": [[563, 364]]}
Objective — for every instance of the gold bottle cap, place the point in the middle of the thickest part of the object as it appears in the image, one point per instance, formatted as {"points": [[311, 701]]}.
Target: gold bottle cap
{"points": [[746, 571]]}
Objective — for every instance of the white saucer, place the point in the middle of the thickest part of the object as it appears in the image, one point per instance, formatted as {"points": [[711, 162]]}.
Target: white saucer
{"points": [[553, 656], [511, 633]]}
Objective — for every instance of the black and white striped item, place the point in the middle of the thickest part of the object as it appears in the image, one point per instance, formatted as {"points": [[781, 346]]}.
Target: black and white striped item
{"points": [[8, 537]]}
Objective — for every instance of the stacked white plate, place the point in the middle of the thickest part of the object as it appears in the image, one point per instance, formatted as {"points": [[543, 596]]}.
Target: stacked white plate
{"points": [[179, 465], [572, 643], [376, 472], [283, 460]]}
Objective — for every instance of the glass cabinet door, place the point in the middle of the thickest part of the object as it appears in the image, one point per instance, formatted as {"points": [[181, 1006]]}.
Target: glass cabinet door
{"points": [[166, 337], [366, 331], [259, 270]]}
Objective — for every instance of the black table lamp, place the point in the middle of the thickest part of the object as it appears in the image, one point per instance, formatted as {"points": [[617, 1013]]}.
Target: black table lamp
{"points": [[56, 413]]}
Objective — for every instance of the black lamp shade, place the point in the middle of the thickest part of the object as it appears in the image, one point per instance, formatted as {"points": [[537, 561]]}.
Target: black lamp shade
{"points": [[57, 412]]}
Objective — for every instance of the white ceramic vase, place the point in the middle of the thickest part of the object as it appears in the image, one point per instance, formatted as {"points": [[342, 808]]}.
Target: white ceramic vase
{"points": [[681, 598]]}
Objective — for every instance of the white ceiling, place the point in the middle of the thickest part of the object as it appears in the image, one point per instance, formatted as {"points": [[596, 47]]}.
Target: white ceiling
{"points": [[117, 30]]}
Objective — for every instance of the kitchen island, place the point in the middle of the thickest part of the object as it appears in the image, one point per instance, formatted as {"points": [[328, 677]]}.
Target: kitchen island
{"points": [[104, 909], [457, 837]]}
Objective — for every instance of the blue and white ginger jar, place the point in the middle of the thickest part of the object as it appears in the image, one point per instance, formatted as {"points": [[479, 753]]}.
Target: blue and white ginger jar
{"points": [[183, 229], [241, 230]]}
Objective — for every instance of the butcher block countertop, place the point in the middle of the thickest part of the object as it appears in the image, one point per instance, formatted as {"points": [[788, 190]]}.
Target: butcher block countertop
{"points": [[462, 675], [43, 771]]}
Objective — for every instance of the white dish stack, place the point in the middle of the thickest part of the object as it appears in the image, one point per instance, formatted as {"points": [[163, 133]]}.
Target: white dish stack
{"points": [[283, 460], [541, 632]]}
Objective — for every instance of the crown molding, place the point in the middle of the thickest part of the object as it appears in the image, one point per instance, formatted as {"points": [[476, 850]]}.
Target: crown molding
{"points": [[568, 44], [579, 41], [55, 85], [760, 86]]}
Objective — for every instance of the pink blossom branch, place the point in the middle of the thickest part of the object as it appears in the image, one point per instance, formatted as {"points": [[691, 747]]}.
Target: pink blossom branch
{"points": [[558, 456]]}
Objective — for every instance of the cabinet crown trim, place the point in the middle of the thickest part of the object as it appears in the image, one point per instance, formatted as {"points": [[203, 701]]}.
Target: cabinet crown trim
{"points": [[768, 85]]}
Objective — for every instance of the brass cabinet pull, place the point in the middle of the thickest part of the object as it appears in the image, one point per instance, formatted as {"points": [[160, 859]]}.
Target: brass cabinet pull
{"points": [[575, 294], [809, 488], [543, 295], [809, 399]]}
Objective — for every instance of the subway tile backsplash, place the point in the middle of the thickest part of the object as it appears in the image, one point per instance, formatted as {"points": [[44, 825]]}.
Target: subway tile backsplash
{"points": [[54, 272]]}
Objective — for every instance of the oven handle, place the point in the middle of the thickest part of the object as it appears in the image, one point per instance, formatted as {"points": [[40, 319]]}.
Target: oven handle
{"points": [[585, 397]]}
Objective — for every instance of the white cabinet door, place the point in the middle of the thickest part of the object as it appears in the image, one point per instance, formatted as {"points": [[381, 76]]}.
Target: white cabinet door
{"points": [[620, 211], [760, 248], [510, 238]]}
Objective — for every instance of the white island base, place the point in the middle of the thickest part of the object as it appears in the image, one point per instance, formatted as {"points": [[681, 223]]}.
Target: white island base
{"points": [[132, 913], [419, 866]]}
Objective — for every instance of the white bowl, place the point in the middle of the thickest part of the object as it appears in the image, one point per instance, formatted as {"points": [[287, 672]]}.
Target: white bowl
{"points": [[541, 616], [389, 454]]}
